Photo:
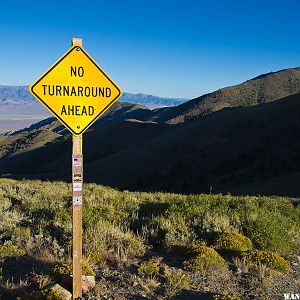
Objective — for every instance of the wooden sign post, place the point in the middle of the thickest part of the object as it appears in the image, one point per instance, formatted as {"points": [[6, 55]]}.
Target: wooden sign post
{"points": [[77, 92], [77, 197]]}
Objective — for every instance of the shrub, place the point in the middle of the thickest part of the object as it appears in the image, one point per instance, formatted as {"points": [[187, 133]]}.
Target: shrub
{"points": [[204, 259], [43, 295], [267, 258], [272, 233], [149, 268], [96, 258], [233, 241], [178, 232], [11, 251], [176, 281], [113, 242], [8, 222], [225, 297], [38, 280], [67, 269], [211, 223]]}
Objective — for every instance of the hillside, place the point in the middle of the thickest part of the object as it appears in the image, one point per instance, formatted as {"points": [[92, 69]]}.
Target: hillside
{"points": [[50, 131], [250, 149], [262, 89], [19, 108], [230, 151], [149, 245]]}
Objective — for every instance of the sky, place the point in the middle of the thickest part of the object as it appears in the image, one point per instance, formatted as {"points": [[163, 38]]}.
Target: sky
{"points": [[166, 48]]}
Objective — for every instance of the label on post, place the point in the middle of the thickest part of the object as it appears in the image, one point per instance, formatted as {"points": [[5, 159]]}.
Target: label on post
{"points": [[77, 200], [77, 179], [77, 161]]}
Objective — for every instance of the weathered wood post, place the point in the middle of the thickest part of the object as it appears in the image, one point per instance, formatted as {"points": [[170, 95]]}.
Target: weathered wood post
{"points": [[77, 197]]}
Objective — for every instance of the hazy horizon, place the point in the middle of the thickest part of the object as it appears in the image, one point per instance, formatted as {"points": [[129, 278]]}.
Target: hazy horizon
{"points": [[176, 49]]}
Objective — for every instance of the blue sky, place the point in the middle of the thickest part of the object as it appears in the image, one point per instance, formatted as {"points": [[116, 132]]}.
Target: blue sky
{"points": [[166, 48]]}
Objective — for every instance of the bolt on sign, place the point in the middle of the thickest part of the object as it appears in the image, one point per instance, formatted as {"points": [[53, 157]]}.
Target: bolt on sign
{"points": [[76, 90]]}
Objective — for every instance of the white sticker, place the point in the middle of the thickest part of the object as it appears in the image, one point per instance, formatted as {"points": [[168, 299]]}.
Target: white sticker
{"points": [[77, 161], [77, 186], [77, 200]]}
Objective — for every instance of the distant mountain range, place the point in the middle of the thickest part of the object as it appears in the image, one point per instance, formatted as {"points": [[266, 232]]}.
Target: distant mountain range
{"points": [[13, 96], [243, 139], [18, 108], [150, 101]]}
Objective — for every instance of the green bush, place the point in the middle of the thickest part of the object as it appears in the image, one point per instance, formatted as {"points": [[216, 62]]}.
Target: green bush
{"points": [[176, 278], [67, 269], [149, 268], [267, 258], [176, 281], [42, 295], [11, 251], [205, 259], [178, 232], [116, 244], [233, 241], [225, 297], [96, 258], [272, 232]]}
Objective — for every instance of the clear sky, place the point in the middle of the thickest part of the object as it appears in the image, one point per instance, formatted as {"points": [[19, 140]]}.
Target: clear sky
{"points": [[178, 48]]}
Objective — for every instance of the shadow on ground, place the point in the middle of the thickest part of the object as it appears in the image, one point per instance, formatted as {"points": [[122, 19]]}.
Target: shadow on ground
{"points": [[15, 273]]}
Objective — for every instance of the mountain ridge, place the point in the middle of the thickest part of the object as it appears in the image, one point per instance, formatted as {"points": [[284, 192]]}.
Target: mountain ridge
{"points": [[19, 109], [19, 95], [261, 89], [248, 144], [213, 151]]}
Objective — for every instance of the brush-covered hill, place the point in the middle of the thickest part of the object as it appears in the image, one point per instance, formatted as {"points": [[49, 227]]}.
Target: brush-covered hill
{"points": [[148, 245], [248, 149], [50, 131], [252, 150], [262, 89]]}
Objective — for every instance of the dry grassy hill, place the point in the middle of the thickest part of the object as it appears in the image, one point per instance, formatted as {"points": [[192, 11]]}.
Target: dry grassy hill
{"points": [[249, 149], [262, 89], [148, 245]]}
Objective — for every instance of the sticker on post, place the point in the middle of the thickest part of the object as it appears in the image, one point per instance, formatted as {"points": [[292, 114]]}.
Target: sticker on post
{"points": [[77, 178], [77, 200], [77, 161], [77, 186]]}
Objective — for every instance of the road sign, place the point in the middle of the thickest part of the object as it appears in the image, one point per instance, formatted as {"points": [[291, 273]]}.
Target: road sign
{"points": [[76, 90]]}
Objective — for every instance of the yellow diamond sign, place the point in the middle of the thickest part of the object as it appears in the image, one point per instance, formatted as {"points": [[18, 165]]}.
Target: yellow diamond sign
{"points": [[76, 90]]}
